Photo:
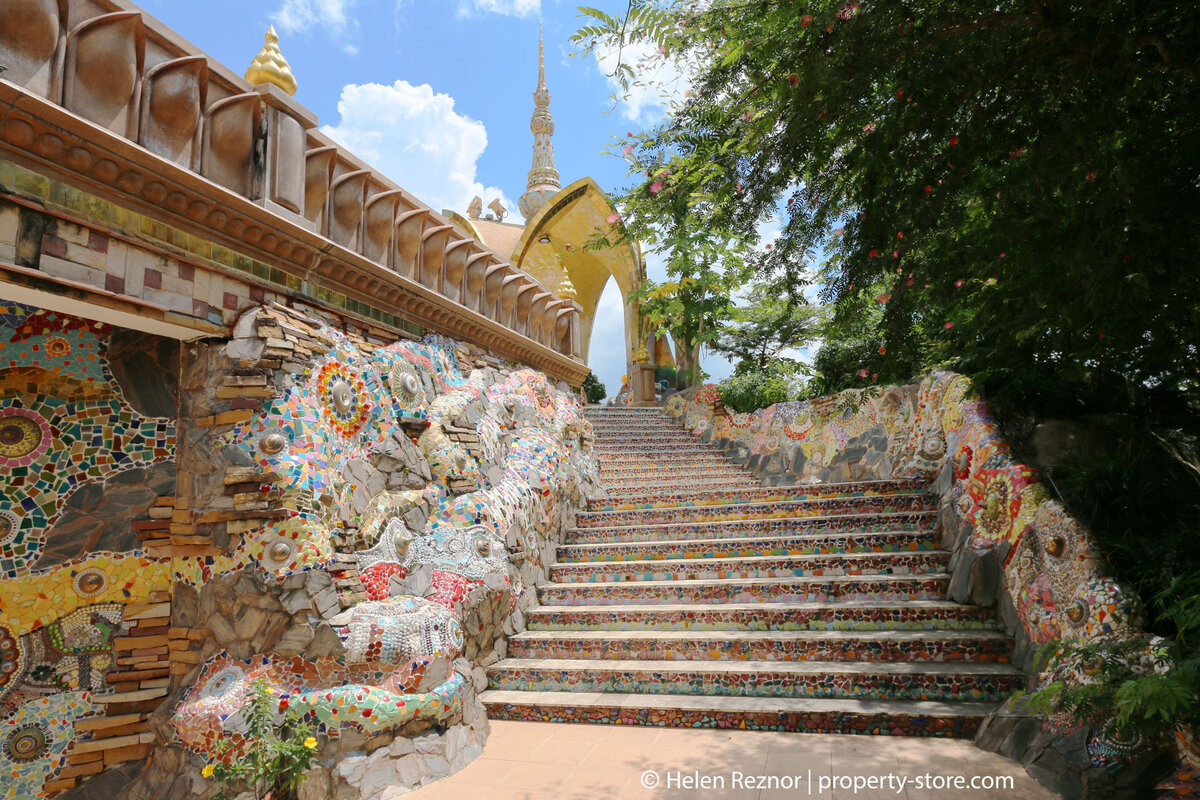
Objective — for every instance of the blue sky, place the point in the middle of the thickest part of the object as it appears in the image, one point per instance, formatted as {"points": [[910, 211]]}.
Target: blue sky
{"points": [[437, 95]]}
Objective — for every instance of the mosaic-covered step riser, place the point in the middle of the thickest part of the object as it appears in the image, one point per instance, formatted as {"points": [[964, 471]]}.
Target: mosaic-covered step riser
{"points": [[637, 477], [769, 646], [892, 542], [680, 569], [710, 496], [932, 615], [947, 726], [614, 447], [634, 488], [660, 464], [885, 504], [795, 590], [862, 683], [736, 529]]}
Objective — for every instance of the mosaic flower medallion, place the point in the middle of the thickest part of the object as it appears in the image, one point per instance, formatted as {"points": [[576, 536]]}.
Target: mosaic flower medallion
{"points": [[26, 743], [57, 347], [10, 526], [24, 437], [343, 398]]}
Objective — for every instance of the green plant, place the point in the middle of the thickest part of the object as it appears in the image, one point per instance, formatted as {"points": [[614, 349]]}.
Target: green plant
{"points": [[752, 388], [593, 389], [273, 752]]}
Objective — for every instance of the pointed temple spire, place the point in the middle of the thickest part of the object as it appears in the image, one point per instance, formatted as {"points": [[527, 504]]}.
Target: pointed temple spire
{"points": [[543, 177], [269, 66]]}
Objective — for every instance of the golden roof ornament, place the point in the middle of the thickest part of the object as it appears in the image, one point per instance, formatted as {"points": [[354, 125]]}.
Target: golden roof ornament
{"points": [[269, 66], [566, 289]]}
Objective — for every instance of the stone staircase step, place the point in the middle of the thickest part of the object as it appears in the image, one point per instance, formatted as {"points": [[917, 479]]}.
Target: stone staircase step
{"points": [[731, 529], [841, 715], [794, 545], [978, 645], [748, 590], [891, 503], [865, 680], [713, 496], [758, 566], [637, 488], [850, 615]]}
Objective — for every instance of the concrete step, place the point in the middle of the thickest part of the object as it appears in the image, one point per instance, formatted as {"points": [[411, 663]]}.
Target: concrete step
{"points": [[793, 545], [765, 566], [821, 507], [748, 590], [849, 615], [841, 715], [714, 496], [977, 645], [842, 524], [865, 680]]}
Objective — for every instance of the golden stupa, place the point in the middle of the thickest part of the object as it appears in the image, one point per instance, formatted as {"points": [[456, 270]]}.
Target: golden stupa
{"points": [[269, 66]]}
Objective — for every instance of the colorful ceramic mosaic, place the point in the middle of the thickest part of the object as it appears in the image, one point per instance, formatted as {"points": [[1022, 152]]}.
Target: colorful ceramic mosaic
{"points": [[491, 482], [66, 430]]}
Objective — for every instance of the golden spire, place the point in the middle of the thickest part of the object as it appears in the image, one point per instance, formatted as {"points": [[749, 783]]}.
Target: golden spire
{"points": [[543, 177], [566, 289], [269, 66]]}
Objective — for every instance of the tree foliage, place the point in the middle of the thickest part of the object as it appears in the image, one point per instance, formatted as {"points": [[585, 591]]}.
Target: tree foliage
{"points": [[1017, 180], [760, 330], [593, 389]]}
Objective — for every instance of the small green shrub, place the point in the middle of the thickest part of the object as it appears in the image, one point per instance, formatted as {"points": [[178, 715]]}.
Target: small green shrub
{"points": [[593, 389], [749, 390], [276, 749]]}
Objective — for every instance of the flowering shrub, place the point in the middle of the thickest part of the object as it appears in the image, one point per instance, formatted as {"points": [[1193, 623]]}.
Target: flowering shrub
{"points": [[272, 753]]}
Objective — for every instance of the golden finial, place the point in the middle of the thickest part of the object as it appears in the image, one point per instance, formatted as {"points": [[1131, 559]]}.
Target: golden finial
{"points": [[641, 355], [566, 289], [269, 66]]}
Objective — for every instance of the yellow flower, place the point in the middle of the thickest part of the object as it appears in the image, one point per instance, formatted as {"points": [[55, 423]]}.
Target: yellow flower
{"points": [[208, 770], [310, 743]]}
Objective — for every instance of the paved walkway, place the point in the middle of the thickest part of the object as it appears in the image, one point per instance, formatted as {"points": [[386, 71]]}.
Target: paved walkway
{"points": [[545, 761]]}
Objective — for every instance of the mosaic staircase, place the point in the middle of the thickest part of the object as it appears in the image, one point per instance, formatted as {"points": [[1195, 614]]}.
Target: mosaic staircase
{"points": [[693, 597]]}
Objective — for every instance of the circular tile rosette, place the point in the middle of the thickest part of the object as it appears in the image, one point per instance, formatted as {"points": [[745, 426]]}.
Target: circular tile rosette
{"points": [[343, 397], [26, 743], [25, 436], [10, 526]]}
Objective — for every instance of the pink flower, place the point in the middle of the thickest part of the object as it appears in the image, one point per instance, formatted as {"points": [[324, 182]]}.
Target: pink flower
{"points": [[629, 134], [909, 282], [928, 188], [806, 20], [882, 350], [627, 150], [793, 79], [656, 187], [953, 141], [613, 219], [949, 325], [883, 299], [896, 254], [869, 127], [900, 235], [1091, 176], [1002, 255], [958, 283], [872, 254], [864, 372]]}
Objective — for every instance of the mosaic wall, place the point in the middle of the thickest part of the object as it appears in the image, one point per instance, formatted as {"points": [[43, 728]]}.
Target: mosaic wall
{"points": [[80, 466], [357, 522], [1052, 572]]}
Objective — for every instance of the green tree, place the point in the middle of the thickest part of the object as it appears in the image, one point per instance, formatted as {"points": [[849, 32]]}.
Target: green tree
{"points": [[1018, 178], [593, 389], [770, 323]]}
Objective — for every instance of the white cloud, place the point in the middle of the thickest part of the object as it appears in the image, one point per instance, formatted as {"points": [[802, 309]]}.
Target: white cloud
{"points": [[416, 138], [300, 16], [508, 8]]}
